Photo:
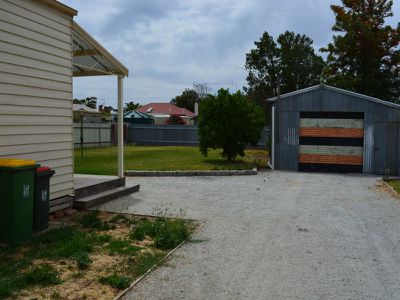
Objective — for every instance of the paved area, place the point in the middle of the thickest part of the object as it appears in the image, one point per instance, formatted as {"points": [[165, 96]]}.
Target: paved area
{"points": [[82, 180], [277, 235]]}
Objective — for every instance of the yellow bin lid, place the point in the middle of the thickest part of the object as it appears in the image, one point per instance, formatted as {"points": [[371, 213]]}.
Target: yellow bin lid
{"points": [[15, 163]]}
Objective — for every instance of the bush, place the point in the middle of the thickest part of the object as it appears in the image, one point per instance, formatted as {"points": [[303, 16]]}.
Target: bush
{"points": [[167, 234], [122, 247], [83, 260], [42, 275], [229, 122], [146, 261], [91, 220], [116, 281]]}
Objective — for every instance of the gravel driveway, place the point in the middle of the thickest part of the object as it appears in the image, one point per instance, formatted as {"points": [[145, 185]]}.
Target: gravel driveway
{"points": [[277, 235]]}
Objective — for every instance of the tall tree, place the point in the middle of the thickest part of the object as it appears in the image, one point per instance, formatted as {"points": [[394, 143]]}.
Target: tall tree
{"points": [[88, 101], [129, 106], [202, 89], [280, 67], [365, 56], [300, 67], [186, 100]]}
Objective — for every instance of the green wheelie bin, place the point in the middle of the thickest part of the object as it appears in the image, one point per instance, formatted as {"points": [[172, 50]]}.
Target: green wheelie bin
{"points": [[16, 200]]}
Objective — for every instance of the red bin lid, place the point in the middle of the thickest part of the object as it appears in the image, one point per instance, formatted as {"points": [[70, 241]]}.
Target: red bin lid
{"points": [[43, 169]]}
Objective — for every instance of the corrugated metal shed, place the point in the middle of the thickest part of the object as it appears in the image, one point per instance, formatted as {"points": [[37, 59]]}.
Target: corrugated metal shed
{"points": [[381, 153]]}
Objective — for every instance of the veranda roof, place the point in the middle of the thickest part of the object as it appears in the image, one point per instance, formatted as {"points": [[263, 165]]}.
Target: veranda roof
{"points": [[92, 59]]}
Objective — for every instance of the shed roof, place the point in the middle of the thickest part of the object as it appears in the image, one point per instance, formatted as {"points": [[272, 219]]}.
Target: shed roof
{"points": [[335, 89], [92, 59]]}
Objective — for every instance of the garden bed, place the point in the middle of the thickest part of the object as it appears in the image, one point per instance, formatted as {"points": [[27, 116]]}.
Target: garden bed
{"points": [[92, 255]]}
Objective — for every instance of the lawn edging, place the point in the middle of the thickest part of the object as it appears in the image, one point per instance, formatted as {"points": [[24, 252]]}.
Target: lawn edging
{"points": [[394, 192], [133, 173], [133, 284]]}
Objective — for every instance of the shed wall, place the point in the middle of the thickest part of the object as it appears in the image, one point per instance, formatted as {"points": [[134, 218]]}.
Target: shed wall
{"points": [[287, 116], [36, 88]]}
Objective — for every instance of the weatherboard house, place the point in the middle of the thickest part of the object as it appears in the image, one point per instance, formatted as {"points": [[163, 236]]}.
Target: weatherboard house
{"points": [[42, 49], [323, 128]]}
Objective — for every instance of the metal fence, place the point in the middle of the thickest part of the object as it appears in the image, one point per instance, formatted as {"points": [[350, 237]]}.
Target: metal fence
{"points": [[94, 135], [163, 135]]}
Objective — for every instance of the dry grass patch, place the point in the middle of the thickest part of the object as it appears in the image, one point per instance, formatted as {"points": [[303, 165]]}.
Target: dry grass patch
{"points": [[93, 255]]}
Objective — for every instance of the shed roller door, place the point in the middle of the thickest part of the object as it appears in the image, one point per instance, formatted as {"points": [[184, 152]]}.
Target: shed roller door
{"points": [[331, 142]]}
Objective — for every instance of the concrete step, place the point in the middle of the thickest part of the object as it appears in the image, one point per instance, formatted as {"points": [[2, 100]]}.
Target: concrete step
{"points": [[97, 199], [99, 187]]}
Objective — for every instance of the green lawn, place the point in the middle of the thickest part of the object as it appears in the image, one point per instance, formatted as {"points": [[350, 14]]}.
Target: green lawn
{"points": [[103, 161], [394, 183]]}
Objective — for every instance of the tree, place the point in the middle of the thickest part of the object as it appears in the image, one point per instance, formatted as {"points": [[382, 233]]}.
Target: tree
{"points": [[88, 101], [175, 120], [365, 56], [229, 121], [129, 106], [202, 89], [300, 67], [281, 67], [187, 100]]}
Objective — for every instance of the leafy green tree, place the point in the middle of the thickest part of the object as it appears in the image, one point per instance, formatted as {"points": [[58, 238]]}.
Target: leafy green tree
{"points": [[281, 67], [187, 100], [129, 106], [300, 67], [230, 122], [365, 56], [88, 101]]}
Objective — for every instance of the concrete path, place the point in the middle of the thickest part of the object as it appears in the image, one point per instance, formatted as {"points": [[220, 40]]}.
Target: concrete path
{"points": [[277, 235]]}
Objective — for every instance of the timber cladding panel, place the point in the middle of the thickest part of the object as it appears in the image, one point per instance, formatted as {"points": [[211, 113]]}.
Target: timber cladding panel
{"points": [[331, 141], [36, 88]]}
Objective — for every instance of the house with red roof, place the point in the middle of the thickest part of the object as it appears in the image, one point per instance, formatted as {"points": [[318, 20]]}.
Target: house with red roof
{"points": [[162, 111]]}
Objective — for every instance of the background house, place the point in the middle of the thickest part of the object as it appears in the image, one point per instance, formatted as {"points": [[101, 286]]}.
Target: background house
{"points": [[162, 111], [90, 115], [323, 128]]}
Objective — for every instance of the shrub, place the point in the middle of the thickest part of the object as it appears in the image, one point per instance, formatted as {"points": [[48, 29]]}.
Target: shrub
{"points": [[229, 122], [146, 261], [167, 234], [42, 275], [91, 220], [116, 281], [83, 260], [122, 247]]}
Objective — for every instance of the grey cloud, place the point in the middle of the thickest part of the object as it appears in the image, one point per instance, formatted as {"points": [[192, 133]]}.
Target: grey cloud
{"points": [[168, 45]]}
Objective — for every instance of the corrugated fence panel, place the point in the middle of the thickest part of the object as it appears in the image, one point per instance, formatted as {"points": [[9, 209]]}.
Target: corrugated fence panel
{"points": [[173, 135], [94, 135]]}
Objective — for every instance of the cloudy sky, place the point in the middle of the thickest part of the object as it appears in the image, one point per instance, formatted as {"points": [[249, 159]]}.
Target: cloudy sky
{"points": [[169, 44]]}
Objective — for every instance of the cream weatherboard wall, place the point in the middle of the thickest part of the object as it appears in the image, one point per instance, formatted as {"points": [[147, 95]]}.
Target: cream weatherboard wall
{"points": [[36, 88]]}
